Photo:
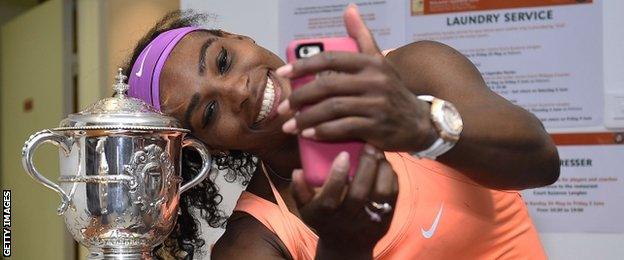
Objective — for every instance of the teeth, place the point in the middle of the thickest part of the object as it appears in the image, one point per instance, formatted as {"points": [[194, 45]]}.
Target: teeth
{"points": [[267, 101]]}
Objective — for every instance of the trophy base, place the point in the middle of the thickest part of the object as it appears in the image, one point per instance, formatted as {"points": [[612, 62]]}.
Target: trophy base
{"points": [[120, 256]]}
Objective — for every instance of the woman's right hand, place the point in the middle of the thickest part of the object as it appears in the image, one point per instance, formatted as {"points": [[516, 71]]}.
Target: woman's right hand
{"points": [[336, 211]]}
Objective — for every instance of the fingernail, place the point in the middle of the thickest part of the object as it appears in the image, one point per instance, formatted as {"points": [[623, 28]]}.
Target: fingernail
{"points": [[308, 133], [342, 161], [369, 149], [284, 71], [283, 107], [290, 126], [296, 173]]}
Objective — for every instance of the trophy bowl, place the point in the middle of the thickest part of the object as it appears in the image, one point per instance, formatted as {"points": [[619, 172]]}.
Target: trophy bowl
{"points": [[119, 178]]}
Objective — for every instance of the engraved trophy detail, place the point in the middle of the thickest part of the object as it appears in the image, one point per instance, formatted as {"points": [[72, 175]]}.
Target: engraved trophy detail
{"points": [[119, 178]]}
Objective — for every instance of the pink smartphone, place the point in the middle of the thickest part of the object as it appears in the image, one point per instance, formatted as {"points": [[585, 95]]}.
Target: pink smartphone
{"points": [[317, 157]]}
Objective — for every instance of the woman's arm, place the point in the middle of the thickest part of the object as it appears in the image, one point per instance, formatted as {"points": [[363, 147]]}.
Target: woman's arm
{"points": [[246, 238], [502, 145], [249, 239]]}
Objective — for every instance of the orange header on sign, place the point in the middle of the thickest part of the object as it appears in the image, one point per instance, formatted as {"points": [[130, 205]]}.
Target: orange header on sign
{"points": [[588, 138], [423, 7]]}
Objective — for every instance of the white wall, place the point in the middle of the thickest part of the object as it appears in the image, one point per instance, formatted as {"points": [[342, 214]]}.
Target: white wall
{"points": [[259, 20]]}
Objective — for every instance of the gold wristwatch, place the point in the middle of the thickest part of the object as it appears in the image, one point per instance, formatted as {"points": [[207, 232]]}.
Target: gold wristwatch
{"points": [[448, 124]]}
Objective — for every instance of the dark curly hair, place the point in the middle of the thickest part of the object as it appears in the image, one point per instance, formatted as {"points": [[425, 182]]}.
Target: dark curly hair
{"points": [[203, 199]]}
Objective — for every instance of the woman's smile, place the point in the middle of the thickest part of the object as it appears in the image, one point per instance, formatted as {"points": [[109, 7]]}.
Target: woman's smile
{"points": [[267, 102]]}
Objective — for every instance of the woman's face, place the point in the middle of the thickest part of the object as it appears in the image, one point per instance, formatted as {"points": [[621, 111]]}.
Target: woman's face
{"points": [[225, 90]]}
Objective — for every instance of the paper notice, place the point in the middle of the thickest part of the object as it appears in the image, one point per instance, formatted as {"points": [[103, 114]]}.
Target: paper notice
{"points": [[535, 57], [588, 195]]}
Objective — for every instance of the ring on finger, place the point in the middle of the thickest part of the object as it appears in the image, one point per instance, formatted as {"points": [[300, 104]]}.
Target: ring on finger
{"points": [[383, 208], [374, 216]]}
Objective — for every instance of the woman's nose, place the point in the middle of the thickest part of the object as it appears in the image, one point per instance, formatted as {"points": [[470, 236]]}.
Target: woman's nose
{"points": [[239, 93]]}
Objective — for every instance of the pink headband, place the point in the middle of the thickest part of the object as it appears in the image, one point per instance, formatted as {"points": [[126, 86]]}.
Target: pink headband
{"points": [[145, 74]]}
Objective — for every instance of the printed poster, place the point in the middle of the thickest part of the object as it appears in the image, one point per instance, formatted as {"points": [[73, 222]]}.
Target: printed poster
{"points": [[589, 193], [323, 18], [544, 55]]}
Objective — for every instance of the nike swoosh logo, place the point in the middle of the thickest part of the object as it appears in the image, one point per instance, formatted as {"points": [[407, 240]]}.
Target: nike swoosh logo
{"points": [[140, 72], [429, 233]]}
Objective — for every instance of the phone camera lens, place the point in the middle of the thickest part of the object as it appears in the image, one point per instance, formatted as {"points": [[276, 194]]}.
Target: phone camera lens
{"points": [[309, 50]]}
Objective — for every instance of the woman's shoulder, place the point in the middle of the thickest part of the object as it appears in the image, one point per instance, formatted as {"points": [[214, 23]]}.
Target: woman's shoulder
{"points": [[247, 238], [418, 47]]}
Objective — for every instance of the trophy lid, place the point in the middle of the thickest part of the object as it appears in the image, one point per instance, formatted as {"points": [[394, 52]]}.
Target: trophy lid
{"points": [[120, 112]]}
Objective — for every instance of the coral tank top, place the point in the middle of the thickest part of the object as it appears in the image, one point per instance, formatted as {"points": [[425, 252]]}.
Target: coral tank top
{"points": [[440, 214]]}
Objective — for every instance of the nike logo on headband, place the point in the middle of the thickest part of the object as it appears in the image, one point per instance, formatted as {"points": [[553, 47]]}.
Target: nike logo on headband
{"points": [[140, 72]]}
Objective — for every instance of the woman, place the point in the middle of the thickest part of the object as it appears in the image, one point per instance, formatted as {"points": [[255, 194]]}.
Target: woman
{"points": [[226, 89]]}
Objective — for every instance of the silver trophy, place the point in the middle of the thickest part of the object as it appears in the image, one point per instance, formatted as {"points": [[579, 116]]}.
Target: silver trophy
{"points": [[120, 178]]}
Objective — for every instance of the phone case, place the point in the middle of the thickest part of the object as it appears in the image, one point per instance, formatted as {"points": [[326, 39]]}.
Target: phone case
{"points": [[317, 157]]}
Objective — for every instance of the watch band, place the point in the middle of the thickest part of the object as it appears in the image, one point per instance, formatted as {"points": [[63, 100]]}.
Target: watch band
{"points": [[441, 145], [438, 148]]}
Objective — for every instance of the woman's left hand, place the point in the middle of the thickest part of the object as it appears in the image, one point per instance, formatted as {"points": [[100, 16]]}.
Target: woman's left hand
{"points": [[342, 212], [366, 101]]}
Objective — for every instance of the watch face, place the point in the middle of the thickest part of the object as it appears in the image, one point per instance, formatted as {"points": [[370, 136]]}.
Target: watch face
{"points": [[452, 119]]}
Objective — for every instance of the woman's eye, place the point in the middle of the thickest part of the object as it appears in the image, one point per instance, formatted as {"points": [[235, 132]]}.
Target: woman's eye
{"points": [[222, 61], [209, 113]]}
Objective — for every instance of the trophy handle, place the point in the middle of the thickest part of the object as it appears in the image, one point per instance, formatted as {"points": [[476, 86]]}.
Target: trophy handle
{"points": [[30, 146], [206, 162]]}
